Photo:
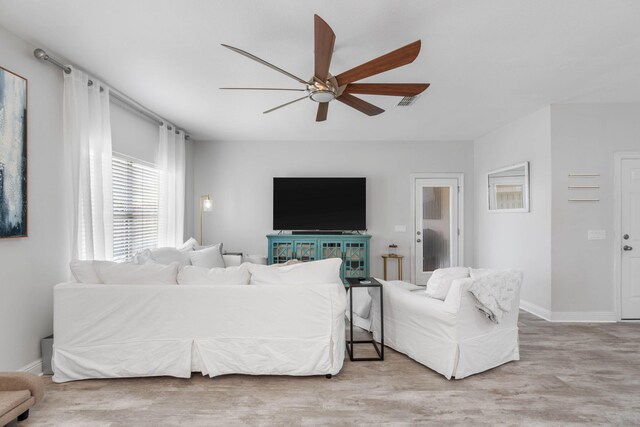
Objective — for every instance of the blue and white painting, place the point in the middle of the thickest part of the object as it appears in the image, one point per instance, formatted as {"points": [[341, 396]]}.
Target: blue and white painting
{"points": [[13, 155]]}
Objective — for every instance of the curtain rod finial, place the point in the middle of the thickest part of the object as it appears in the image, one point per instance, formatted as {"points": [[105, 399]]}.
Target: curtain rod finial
{"points": [[40, 54]]}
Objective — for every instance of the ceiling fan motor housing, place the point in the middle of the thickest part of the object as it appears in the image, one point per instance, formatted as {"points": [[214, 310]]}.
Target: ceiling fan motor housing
{"points": [[321, 92]]}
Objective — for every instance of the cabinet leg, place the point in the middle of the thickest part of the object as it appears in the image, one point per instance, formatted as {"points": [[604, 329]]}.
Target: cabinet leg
{"points": [[399, 268], [328, 376], [384, 268]]}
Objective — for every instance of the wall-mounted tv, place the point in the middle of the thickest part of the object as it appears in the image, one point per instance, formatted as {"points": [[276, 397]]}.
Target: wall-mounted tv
{"points": [[337, 204]]}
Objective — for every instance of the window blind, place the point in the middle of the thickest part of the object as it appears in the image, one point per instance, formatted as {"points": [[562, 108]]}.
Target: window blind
{"points": [[135, 207]]}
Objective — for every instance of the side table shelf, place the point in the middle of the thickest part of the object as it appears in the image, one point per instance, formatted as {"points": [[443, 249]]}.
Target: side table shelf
{"points": [[356, 282]]}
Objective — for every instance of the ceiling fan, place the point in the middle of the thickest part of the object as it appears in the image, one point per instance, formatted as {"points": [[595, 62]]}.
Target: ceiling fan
{"points": [[324, 87]]}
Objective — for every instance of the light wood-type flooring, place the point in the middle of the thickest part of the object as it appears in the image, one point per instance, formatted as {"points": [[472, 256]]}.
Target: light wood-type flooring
{"points": [[569, 374]]}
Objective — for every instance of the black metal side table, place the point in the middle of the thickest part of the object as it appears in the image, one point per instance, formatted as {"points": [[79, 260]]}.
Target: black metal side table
{"points": [[369, 282]]}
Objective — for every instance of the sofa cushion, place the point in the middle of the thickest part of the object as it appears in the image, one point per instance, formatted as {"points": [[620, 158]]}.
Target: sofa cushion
{"points": [[209, 257], [13, 398], [306, 273], [401, 284], [440, 281], [190, 275], [84, 271], [115, 273]]}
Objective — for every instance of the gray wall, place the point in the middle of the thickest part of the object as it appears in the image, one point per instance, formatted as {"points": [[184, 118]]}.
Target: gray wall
{"points": [[31, 266], [239, 177], [584, 139], [518, 240]]}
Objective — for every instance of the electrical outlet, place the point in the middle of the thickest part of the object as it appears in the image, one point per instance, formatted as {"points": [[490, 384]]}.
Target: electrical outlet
{"points": [[401, 228]]}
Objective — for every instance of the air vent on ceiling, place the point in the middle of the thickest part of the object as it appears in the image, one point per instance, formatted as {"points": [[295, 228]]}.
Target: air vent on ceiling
{"points": [[408, 101]]}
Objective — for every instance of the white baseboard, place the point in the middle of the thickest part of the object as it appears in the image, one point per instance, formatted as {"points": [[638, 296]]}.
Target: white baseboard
{"points": [[34, 367], [569, 316], [584, 316], [536, 310]]}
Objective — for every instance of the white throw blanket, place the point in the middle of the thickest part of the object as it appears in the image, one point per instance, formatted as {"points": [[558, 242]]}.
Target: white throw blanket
{"points": [[495, 292]]}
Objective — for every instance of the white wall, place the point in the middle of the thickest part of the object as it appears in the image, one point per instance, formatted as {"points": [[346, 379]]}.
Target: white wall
{"points": [[518, 240], [584, 139], [239, 177], [31, 266]]}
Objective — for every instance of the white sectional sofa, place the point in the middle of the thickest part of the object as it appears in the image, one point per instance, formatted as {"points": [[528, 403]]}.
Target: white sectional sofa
{"points": [[137, 330]]}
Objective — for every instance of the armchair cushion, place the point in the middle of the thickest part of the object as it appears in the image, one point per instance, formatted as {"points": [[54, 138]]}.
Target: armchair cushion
{"points": [[15, 381], [441, 279], [19, 391], [13, 399]]}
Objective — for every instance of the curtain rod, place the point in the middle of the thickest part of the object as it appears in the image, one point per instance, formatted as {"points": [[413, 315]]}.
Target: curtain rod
{"points": [[121, 97]]}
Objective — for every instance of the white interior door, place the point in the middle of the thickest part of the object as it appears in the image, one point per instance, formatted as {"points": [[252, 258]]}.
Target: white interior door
{"points": [[630, 245], [436, 227]]}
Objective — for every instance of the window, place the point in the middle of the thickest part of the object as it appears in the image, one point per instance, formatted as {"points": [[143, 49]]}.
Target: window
{"points": [[135, 207]]}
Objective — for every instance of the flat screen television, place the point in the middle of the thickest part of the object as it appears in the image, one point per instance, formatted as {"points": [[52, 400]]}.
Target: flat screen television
{"points": [[331, 204]]}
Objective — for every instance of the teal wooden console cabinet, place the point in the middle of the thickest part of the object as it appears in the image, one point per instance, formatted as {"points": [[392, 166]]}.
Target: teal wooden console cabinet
{"points": [[352, 248]]}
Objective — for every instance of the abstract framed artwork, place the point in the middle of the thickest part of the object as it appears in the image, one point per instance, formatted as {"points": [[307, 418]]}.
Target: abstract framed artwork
{"points": [[13, 155]]}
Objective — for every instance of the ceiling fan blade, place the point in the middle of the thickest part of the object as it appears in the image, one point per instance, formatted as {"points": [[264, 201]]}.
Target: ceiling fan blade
{"points": [[323, 50], [284, 105], [261, 88], [263, 62], [323, 109], [399, 57], [360, 105], [389, 89]]}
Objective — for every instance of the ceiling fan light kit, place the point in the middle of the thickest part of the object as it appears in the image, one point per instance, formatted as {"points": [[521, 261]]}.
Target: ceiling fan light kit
{"points": [[324, 88]]}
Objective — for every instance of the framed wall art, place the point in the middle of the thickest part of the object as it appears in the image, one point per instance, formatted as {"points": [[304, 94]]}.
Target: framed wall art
{"points": [[13, 155]]}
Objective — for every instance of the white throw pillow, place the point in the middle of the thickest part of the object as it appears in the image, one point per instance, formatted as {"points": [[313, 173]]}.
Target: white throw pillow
{"points": [[164, 256], [441, 279], [306, 273], [115, 273], [232, 260], [189, 245], [84, 272], [199, 248], [190, 275], [210, 257]]}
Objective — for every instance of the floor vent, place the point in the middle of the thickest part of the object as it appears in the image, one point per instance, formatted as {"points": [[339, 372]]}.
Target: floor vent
{"points": [[408, 101]]}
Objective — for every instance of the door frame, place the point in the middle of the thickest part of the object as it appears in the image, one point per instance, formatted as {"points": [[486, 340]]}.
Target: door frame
{"points": [[617, 226], [459, 176]]}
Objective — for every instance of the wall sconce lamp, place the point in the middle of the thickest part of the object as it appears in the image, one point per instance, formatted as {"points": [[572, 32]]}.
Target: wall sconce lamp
{"points": [[206, 205]]}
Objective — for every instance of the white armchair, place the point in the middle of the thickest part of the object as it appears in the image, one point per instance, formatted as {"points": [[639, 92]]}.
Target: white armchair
{"points": [[452, 337]]}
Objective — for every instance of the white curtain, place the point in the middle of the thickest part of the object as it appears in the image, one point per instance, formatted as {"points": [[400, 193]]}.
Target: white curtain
{"points": [[87, 145], [171, 168]]}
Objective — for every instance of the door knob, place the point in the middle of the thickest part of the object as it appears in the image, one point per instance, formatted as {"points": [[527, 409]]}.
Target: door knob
{"points": [[418, 233], [625, 237], [418, 240], [627, 248]]}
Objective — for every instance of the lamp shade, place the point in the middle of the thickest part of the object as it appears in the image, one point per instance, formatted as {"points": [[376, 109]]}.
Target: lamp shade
{"points": [[207, 205]]}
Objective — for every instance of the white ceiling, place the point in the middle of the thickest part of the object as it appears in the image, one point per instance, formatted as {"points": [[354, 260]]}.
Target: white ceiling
{"points": [[488, 61]]}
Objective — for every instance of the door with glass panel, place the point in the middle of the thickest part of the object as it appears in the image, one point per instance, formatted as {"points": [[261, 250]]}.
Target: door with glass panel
{"points": [[437, 226]]}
